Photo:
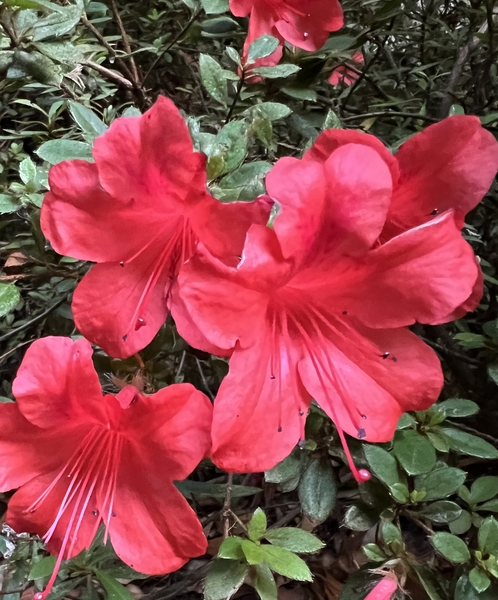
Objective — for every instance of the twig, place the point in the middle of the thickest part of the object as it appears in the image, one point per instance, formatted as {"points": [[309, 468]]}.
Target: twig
{"points": [[203, 378], [450, 352], [240, 84], [192, 20], [226, 505], [180, 366], [484, 436], [391, 113], [28, 324], [413, 517], [126, 43], [14, 349], [106, 45], [108, 73]]}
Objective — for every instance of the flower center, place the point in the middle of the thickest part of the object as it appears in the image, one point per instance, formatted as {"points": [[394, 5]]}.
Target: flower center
{"points": [[92, 472]]}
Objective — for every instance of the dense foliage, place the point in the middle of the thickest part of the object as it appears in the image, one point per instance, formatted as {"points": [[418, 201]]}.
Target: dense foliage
{"points": [[426, 516]]}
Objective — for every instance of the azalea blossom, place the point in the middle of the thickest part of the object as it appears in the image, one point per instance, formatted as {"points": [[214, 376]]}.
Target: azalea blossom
{"points": [[385, 588], [82, 459], [305, 24], [345, 74], [365, 244], [138, 211]]}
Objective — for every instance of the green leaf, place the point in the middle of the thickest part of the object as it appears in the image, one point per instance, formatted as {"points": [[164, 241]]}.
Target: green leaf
{"points": [[35, 4], [9, 297], [479, 580], [484, 488], [462, 524], [231, 141], [360, 518], [214, 490], [264, 583], [57, 23], [8, 204], [294, 539], [245, 183], [224, 579], [257, 525], [493, 372], [62, 52], [114, 590], [262, 47], [213, 78], [373, 552], [263, 130], [286, 563], [429, 583], [391, 534], [290, 467], [43, 568], [27, 171], [440, 483], [214, 7], [89, 123], [414, 451], [231, 548], [490, 505], [451, 547], [382, 463], [332, 121], [301, 93], [38, 66], [466, 443], [458, 407], [55, 151], [317, 490], [438, 441], [488, 536], [254, 553], [442, 511], [273, 111], [465, 591], [277, 72]]}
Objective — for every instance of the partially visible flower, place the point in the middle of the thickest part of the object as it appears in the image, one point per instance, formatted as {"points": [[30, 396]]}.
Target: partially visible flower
{"points": [[303, 23], [385, 589], [138, 212], [345, 74], [320, 304], [81, 459]]}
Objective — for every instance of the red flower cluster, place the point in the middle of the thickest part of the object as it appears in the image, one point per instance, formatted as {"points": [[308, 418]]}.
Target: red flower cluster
{"points": [[316, 304], [302, 23], [345, 74], [81, 459]]}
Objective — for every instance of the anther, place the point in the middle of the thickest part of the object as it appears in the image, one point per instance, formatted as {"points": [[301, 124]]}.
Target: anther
{"points": [[385, 355], [95, 513], [363, 416], [361, 434], [113, 514], [435, 212], [395, 359], [279, 429], [125, 337], [301, 412], [301, 444]]}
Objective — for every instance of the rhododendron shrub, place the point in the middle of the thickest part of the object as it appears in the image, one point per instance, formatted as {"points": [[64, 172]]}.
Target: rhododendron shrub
{"points": [[82, 459], [138, 211], [304, 24], [363, 246]]}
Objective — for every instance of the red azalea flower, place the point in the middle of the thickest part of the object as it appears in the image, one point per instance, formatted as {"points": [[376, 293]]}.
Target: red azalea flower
{"points": [[345, 74], [81, 459], [303, 23], [385, 589], [138, 211], [319, 307]]}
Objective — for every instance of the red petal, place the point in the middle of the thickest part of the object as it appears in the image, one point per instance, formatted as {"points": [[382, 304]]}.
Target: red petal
{"points": [[449, 165], [262, 22], [150, 159], [40, 520], [171, 428], [422, 275], [154, 530], [57, 384], [241, 8], [384, 589], [310, 29], [258, 420], [26, 450], [114, 302], [222, 227], [332, 139], [221, 308], [345, 392], [81, 220]]}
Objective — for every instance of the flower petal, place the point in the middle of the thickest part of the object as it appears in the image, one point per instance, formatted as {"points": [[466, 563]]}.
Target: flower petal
{"points": [[174, 424], [422, 275], [351, 398], [310, 29], [154, 530], [81, 220], [449, 165], [121, 308], [26, 450], [39, 520], [150, 159], [260, 410], [57, 384]]}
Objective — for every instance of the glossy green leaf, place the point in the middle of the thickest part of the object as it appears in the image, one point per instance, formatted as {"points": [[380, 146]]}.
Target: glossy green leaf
{"points": [[294, 539], [414, 451], [286, 563], [257, 525], [55, 151], [9, 297], [458, 407], [262, 47], [442, 511], [264, 583], [231, 548], [488, 536], [317, 490], [451, 547], [440, 483], [113, 589], [466, 443]]}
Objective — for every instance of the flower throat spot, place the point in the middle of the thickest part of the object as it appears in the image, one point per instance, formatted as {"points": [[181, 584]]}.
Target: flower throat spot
{"points": [[435, 212]]}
